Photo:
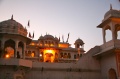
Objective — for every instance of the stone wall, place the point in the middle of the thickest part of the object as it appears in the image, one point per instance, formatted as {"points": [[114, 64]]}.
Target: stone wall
{"points": [[86, 68], [107, 63]]}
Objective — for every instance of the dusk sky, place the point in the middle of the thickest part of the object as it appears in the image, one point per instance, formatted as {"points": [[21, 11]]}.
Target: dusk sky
{"points": [[60, 17]]}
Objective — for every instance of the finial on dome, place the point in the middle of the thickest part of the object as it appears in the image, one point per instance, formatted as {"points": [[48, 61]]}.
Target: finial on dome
{"points": [[12, 17], [110, 6]]}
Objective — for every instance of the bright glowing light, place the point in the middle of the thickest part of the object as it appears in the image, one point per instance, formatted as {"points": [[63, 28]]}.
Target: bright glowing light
{"points": [[7, 56], [49, 51], [64, 45], [51, 45], [40, 55], [49, 55], [32, 54], [32, 44], [46, 44]]}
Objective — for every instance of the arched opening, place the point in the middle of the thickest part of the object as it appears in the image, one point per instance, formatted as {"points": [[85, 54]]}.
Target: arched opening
{"points": [[56, 57], [108, 34], [117, 31], [20, 52], [9, 49], [112, 74], [49, 55], [9, 52]]}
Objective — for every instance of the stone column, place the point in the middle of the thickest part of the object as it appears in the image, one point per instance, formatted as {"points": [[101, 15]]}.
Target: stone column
{"points": [[23, 52], [104, 34], [2, 48], [114, 35], [16, 49]]}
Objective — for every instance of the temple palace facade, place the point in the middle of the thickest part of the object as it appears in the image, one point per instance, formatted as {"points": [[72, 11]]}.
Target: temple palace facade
{"points": [[49, 58]]}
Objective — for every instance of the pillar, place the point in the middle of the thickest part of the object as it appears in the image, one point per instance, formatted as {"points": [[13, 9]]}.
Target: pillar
{"points": [[24, 49], [114, 35], [104, 34], [2, 48], [16, 49]]}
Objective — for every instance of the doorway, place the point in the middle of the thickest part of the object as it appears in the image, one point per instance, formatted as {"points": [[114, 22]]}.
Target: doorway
{"points": [[112, 74]]}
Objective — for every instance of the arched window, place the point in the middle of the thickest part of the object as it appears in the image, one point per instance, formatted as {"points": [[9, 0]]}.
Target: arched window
{"points": [[9, 51], [69, 55], [9, 48], [29, 53], [21, 49], [61, 55], [117, 31], [33, 54], [65, 55], [108, 33], [74, 56]]}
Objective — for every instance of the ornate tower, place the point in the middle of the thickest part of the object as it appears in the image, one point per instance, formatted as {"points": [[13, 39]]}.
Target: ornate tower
{"points": [[79, 44], [109, 53], [111, 22]]}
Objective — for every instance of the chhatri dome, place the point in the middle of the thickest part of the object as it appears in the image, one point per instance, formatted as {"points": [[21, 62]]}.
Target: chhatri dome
{"points": [[111, 13], [13, 27], [80, 41]]}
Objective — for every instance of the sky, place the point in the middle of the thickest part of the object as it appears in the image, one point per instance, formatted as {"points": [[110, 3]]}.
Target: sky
{"points": [[80, 18]]}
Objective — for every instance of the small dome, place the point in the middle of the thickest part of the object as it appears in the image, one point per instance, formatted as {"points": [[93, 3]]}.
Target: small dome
{"points": [[112, 13], [41, 37], [48, 37], [79, 41]]}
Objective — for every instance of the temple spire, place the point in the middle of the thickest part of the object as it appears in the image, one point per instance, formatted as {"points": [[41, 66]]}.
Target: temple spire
{"points": [[110, 6], [12, 17]]}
